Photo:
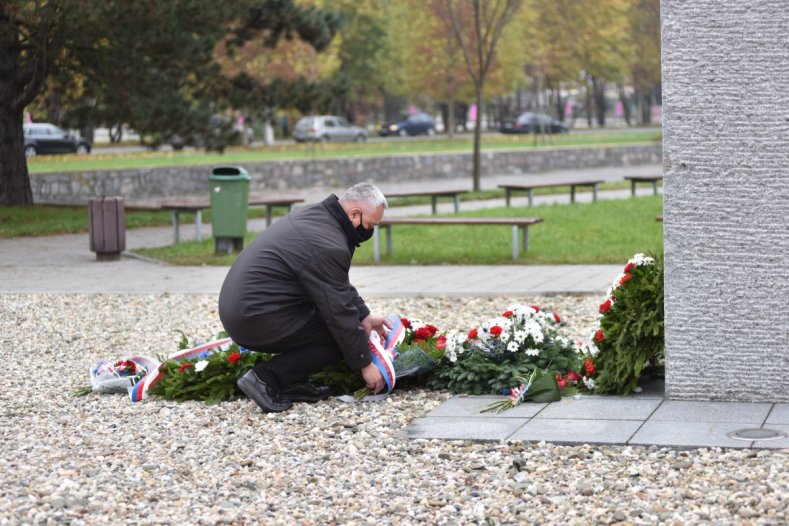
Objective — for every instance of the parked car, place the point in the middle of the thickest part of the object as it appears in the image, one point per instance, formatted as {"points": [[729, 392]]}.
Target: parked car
{"points": [[41, 138], [326, 128], [416, 124], [531, 122]]}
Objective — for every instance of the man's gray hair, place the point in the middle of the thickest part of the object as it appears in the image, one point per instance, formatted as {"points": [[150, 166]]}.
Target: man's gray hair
{"points": [[366, 193]]}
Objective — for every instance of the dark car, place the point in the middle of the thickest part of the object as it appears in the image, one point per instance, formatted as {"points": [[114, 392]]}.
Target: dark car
{"points": [[416, 124], [531, 122], [43, 138]]}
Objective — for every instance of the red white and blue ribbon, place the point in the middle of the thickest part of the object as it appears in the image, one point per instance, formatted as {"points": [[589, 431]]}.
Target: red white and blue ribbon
{"points": [[384, 360], [396, 334], [139, 391]]}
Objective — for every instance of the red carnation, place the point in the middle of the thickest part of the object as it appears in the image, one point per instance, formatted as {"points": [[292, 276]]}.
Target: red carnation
{"points": [[234, 358], [441, 343], [185, 366], [599, 336], [605, 306], [406, 322], [629, 267], [507, 314], [432, 328], [496, 330], [573, 376], [423, 333], [589, 367], [472, 334], [536, 307], [561, 382], [625, 279], [557, 318]]}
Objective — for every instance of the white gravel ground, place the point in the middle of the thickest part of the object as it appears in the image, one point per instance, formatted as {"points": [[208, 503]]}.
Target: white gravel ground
{"points": [[102, 460]]}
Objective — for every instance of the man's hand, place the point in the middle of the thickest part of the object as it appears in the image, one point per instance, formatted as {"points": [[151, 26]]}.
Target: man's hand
{"points": [[376, 323], [372, 376]]}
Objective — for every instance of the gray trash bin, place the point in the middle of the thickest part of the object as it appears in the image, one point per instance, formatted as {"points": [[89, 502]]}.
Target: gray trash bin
{"points": [[107, 228]]}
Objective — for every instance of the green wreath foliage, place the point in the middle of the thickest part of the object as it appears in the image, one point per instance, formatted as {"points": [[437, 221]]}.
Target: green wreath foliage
{"points": [[213, 384], [632, 331]]}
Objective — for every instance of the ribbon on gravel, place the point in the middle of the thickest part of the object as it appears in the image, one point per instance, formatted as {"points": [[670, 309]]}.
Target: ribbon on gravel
{"points": [[139, 391]]}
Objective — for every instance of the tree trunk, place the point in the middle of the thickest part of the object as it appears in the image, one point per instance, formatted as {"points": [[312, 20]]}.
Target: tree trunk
{"points": [[589, 104], [16, 90], [450, 118], [646, 108], [560, 105], [599, 100], [477, 167], [14, 179], [625, 105], [116, 133]]}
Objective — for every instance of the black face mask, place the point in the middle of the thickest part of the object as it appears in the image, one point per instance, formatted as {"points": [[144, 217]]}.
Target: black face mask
{"points": [[364, 233]]}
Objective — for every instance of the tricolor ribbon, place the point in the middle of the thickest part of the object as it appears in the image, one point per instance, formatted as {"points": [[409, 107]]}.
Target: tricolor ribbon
{"points": [[139, 391], [396, 334], [383, 359]]}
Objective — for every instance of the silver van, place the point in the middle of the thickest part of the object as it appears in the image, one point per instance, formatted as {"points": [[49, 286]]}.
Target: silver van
{"points": [[327, 128]]}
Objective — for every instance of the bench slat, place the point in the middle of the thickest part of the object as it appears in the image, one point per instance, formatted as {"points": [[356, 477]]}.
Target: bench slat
{"points": [[460, 221], [196, 206], [529, 186], [433, 194], [635, 179], [517, 223]]}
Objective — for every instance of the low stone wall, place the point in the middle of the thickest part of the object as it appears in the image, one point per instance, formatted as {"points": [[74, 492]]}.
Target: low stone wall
{"points": [[146, 184]]}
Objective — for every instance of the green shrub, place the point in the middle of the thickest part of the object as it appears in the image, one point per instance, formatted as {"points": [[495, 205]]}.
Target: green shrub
{"points": [[629, 336]]}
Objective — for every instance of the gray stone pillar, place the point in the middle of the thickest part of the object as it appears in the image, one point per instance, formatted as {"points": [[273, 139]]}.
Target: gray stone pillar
{"points": [[726, 211]]}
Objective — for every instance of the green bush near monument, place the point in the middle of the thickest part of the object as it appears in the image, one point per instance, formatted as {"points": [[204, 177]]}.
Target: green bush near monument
{"points": [[629, 339]]}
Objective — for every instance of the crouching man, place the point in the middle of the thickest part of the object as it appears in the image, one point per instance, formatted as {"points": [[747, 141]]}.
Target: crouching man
{"points": [[289, 294]]}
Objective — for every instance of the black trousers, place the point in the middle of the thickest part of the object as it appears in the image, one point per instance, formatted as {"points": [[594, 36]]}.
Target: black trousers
{"points": [[307, 351]]}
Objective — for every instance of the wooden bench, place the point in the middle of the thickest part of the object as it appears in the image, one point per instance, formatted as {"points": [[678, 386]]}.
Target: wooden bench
{"points": [[434, 195], [635, 179], [196, 207], [518, 224], [529, 186]]}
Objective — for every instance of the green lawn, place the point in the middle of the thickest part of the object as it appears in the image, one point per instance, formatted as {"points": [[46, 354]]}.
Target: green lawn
{"points": [[72, 163], [44, 220], [584, 233]]}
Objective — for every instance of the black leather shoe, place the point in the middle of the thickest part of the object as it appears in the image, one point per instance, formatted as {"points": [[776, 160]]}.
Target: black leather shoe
{"points": [[305, 392], [263, 395]]}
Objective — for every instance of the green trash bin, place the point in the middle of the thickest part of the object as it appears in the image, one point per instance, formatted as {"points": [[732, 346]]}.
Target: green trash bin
{"points": [[229, 201]]}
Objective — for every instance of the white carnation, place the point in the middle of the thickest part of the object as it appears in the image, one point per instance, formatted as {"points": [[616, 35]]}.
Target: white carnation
{"points": [[641, 259]]}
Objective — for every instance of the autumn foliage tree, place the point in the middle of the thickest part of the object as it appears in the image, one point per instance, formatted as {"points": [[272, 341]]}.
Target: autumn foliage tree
{"points": [[477, 27], [142, 60]]}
